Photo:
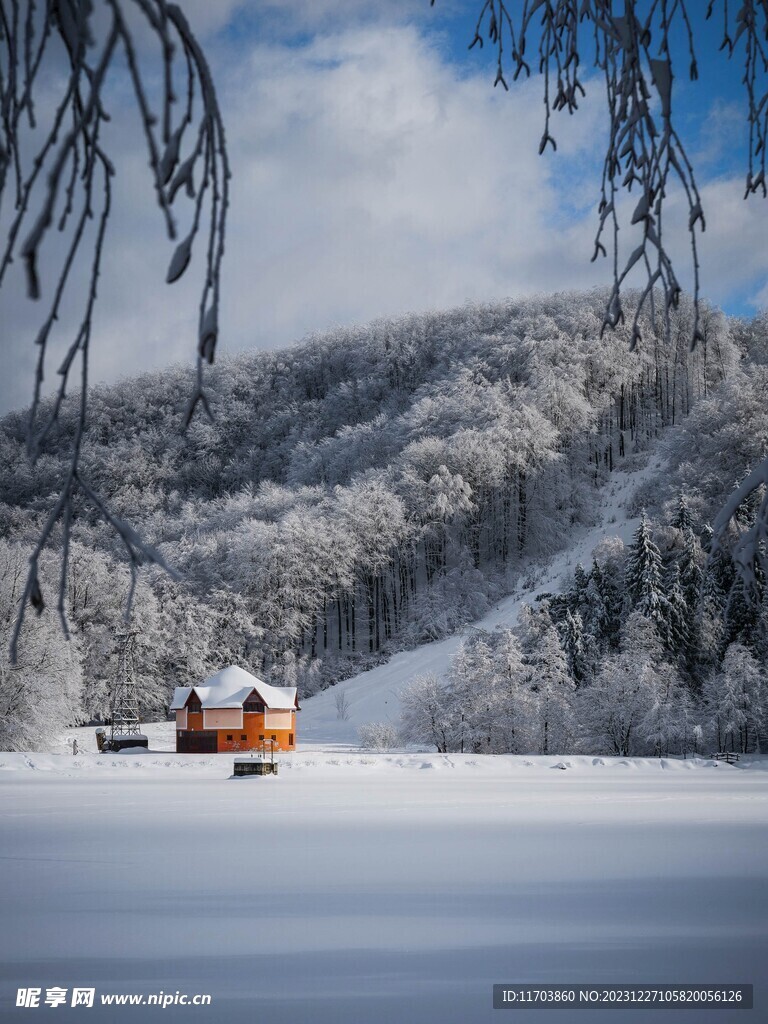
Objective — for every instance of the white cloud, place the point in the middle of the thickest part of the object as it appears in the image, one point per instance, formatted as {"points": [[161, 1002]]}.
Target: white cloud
{"points": [[378, 180], [371, 177]]}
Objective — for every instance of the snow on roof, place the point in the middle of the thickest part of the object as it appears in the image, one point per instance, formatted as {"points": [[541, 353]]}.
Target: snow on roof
{"points": [[180, 697], [230, 687]]}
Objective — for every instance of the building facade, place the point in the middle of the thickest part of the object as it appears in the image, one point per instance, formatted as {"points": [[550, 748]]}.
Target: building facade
{"points": [[234, 711]]}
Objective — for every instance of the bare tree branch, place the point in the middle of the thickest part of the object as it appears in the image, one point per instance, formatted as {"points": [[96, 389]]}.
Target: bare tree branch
{"points": [[71, 170], [644, 154]]}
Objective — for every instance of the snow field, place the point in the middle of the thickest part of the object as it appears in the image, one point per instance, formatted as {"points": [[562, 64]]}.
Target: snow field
{"points": [[357, 887]]}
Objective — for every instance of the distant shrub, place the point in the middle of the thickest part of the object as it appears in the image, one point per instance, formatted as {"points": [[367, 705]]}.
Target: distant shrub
{"points": [[379, 736]]}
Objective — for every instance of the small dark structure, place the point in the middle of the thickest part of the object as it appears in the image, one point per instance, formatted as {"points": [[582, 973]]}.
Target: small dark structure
{"points": [[257, 765], [729, 756]]}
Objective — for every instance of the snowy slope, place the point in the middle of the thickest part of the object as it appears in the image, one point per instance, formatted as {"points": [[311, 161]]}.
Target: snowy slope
{"points": [[374, 696]]}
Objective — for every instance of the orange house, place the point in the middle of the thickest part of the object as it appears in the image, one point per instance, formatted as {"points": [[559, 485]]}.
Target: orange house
{"points": [[232, 711]]}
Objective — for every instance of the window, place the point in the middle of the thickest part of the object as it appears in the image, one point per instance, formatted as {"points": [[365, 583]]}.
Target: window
{"points": [[290, 739], [261, 737], [274, 737], [253, 706], [243, 736], [194, 707], [229, 738]]}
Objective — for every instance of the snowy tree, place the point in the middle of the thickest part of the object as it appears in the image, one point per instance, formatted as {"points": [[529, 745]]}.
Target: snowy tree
{"points": [[552, 686], [635, 52], [691, 565], [612, 709], [427, 714], [665, 721], [682, 518], [636, 703], [472, 691], [41, 694], [576, 646], [596, 614], [513, 698], [577, 595], [742, 611], [379, 736], [677, 632], [643, 577], [607, 578], [736, 701]]}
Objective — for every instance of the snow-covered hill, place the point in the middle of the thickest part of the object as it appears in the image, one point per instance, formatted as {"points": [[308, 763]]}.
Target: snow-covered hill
{"points": [[374, 696]]}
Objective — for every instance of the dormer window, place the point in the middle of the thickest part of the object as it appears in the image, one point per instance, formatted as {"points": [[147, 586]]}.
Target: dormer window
{"points": [[194, 707], [253, 705]]}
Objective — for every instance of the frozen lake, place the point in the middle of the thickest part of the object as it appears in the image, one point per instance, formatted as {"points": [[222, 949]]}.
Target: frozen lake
{"points": [[378, 889]]}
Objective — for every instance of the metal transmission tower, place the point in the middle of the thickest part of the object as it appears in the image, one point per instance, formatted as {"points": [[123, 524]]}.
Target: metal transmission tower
{"points": [[126, 724]]}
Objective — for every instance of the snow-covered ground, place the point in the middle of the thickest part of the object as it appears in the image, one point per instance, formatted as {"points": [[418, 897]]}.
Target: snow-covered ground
{"points": [[358, 888], [374, 696]]}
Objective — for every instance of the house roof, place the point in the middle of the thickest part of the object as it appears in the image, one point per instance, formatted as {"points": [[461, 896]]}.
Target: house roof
{"points": [[230, 687]]}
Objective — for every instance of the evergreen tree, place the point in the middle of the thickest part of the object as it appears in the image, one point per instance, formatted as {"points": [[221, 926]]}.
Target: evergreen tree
{"points": [[677, 633], [741, 614], [643, 578], [691, 562], [683, 517], [575, 644], [578, 592], [710, 625], [596, 615]]}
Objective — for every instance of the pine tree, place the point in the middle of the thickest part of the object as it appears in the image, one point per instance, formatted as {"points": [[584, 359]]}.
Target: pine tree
{"points": [[596, 615], [677, 634], [710, 625], [575, 644], [578, 592], [690, 564], [741, 614], [683, 517], [643, 578]]}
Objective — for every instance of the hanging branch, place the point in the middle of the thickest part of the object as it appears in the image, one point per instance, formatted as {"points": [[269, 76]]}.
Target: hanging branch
{"points": [[70, 173], [644, 153]]}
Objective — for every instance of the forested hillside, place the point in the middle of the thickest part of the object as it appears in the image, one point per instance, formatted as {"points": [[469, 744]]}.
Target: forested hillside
{"points": [[365, 490]]}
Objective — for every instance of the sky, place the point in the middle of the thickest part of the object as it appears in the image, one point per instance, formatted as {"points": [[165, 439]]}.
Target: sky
{"points": [[376, 171]]}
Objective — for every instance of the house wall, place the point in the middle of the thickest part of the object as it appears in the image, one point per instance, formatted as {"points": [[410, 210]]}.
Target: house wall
{"points": [[223, 718], [253, 726], [181, 719], [278, 720]]}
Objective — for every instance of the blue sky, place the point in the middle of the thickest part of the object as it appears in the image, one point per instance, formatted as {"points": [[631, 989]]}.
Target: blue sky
{"points": [[376, 171]]}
